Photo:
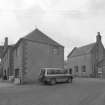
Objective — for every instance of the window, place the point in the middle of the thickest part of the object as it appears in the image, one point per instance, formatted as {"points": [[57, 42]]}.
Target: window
{"points": [[55, 50], [83, 68], [76, 68], [16, 51], [16, 73]]}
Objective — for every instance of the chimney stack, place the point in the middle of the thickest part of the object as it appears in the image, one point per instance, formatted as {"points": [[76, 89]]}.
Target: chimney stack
{"points": [[98, 37], [6, 43]]}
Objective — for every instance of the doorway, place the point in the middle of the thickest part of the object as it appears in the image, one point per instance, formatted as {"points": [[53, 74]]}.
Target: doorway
{"points": [[17, 73], [5, 75]]}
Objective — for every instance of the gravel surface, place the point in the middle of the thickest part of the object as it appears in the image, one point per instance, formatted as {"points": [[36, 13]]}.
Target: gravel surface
{"points": [[80, 92]]}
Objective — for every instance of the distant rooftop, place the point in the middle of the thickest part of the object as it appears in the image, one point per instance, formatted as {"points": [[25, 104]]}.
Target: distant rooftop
{"points": [[77, 51]]}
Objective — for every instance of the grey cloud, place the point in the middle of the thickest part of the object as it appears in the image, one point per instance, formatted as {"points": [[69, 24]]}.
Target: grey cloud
{"points": [[29, 17], [92, 7], [73, 14], [96, 6]]}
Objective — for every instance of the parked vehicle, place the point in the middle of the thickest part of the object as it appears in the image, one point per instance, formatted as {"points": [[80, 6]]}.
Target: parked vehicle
{"points": [[54, 75]]}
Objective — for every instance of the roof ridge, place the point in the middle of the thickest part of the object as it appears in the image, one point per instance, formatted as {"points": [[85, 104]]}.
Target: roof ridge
{"points": [[86, 45], [38, 35], [72, 51], [77, 51]]}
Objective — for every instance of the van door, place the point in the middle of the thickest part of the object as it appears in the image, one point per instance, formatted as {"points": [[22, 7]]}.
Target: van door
{"points": [[61, 75]]}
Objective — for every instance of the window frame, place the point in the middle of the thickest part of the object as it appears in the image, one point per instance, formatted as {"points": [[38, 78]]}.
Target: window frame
{"points": [[76, 68], [84, 68], [55, 50]]}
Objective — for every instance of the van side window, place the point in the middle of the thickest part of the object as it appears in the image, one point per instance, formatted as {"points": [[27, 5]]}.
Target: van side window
{"points": [[60, 71], [50, 72], [65, 71], [57, 71]]}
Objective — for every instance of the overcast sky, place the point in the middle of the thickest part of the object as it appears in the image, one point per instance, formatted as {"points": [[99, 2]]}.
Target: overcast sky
{"points": [[69, 22]]}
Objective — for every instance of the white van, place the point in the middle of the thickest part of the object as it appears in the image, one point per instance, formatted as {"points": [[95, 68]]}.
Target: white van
{"points": [[54, 75]]}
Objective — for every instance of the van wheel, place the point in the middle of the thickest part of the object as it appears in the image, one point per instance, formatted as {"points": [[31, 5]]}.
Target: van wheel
{"points": [[53, 82]]}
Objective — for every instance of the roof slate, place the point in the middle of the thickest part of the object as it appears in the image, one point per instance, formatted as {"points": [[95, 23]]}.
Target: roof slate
{"points": [[78, 51]]}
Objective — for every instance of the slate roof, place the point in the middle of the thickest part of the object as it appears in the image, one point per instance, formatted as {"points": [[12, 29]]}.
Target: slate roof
{"points": [[39, 36], [78, 51]]}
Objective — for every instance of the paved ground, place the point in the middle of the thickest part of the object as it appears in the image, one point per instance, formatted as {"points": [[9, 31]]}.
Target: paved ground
{"points": [[80, 92], [6, 84]]}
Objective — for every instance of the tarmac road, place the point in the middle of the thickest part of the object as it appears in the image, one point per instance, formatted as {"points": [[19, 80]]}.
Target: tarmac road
{"points": [[80, 92]]}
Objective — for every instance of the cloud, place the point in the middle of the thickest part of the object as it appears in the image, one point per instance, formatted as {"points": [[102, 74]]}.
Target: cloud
{"points": [[70, 22], [6, 5], [8, 25], [44, 4], [79, 9], [97, 5]]}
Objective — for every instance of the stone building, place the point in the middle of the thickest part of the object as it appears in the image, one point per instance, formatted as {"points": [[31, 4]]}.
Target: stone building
{"points": [[1, 52], [32, 52], [6, 60], [101, 69], [83, 61]]}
